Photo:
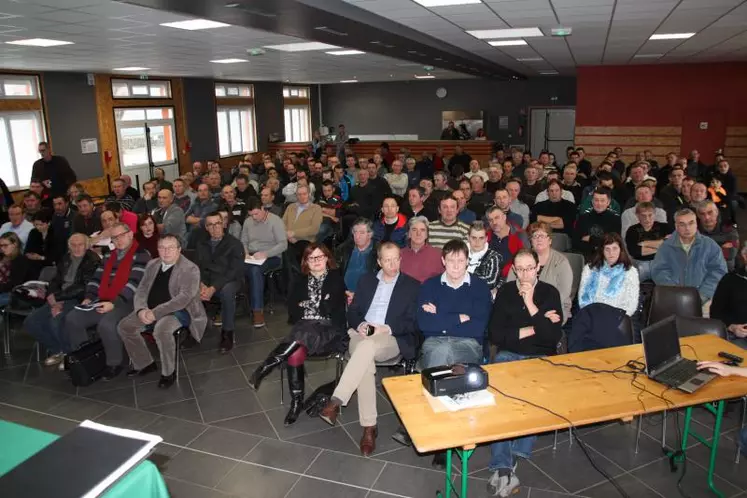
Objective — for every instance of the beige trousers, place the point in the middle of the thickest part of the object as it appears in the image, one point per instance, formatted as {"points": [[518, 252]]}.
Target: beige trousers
{"points": [[360, 372]]}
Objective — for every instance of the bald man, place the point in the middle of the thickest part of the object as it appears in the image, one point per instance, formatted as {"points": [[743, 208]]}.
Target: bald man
{"points": [[170, 217]]}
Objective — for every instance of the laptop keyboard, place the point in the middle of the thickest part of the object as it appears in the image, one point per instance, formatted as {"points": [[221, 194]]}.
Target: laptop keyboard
{"points": [[678, 373]]}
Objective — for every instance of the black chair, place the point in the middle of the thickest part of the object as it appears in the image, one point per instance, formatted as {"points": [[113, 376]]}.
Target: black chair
{"points": [[179, 334], [273, 284], [689, 326], [668, 300]]}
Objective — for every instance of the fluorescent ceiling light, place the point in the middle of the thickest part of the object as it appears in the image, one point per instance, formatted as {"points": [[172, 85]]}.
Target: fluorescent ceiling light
{"points": [[131, 68], [228, 61], [195, 24], [548, 73], [530, 59], [301, 47], [39, 42], [485, 34], [507, 43], [647, 56], [672, 36], [348, 81], [345, 52], [425, 77], [445, 3]]}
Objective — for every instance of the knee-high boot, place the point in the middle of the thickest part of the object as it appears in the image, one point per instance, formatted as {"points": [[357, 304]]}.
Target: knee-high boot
{"points": [[296, 387], [275, 358]]}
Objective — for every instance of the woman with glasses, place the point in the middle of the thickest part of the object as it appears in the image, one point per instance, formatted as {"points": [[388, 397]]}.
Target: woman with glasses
{"points": [[554, 268], [147, 234], [15, 269], [316, 311], [484, 263], [610, 277], [526, 323]]}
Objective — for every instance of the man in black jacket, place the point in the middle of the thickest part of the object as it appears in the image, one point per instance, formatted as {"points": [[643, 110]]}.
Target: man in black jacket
{"points": [[594, 223], [383, 324], [53, 171], [221, 261]]}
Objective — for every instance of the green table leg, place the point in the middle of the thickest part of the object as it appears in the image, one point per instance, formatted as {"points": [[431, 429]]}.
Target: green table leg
{"points": [[718, 412], [449, 489]]}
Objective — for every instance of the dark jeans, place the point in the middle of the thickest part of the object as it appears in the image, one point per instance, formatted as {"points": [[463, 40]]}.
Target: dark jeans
{"points": [[47, 330], [4, 299], [255, 276], [743, 441], [227, 296]]}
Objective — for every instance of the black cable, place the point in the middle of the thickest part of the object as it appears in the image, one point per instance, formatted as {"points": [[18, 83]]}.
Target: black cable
{"points": [[574, 431]]}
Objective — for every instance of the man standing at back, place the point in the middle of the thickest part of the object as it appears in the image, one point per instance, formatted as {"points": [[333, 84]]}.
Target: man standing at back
{"points": [[54, 172]]}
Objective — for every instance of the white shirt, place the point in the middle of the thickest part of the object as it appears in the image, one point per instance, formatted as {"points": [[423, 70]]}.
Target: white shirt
{"points": [[377, 311], [22, 230], [466, 280]]}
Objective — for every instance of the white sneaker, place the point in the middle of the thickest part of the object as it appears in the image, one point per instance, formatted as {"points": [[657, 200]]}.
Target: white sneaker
{"points": [[503, 486], [61, 366], [54, 359]]}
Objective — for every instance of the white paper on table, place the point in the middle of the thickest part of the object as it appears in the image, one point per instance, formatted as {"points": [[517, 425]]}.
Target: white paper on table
{"points": [[151, 442], [474, 399], [255, 261]]}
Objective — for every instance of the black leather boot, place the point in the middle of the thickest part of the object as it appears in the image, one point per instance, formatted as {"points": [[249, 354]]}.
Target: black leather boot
{"points": [[275, 358], [296, 386], [226, 341]]}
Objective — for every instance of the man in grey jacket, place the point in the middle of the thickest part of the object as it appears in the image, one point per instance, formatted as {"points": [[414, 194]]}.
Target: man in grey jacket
{"points": [[167, 298], [170, 217]]}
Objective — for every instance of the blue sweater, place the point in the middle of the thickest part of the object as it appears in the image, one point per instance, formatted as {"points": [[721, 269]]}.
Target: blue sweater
{"points": [[471, 299]]}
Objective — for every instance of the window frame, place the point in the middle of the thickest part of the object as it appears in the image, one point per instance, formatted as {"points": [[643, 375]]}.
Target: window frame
{"points": [[253, 133], [31, 78], [301, 100], [18, 184], [238, 86], [130, 83], [119, 125]]}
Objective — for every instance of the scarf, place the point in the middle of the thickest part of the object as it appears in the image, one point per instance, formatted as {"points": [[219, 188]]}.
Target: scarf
{"points": [[109, 288], [616, 276]]}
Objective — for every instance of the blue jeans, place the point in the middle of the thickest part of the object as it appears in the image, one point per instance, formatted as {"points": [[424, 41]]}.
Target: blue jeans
{"points": [[326, 229], [4, 299], [227, 296], [46, 329], [503, 454], [255, 275], [743, 441], [448, 350]]}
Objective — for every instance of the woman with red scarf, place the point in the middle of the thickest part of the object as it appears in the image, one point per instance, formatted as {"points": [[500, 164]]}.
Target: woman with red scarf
{"points": [[110, 294]]}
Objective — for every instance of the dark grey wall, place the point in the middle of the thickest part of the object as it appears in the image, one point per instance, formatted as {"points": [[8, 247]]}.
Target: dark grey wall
{"points": [[268, 111], [411, 107], [71, 114], [202, 128]]}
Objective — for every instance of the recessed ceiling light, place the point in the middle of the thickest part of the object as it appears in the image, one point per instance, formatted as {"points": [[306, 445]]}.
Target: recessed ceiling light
{"points": [[425, 77], [228, 61], [507, 43], [345, 52], [530, 59], [484, 34], [445, 3], [671, 36], [195, 24], [548, 73], [301, 47], [647, 56], [39, 42], [131, 68], [348, 81]]}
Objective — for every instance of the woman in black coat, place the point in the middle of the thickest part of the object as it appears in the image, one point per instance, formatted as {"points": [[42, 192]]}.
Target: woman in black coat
{"points": [[316, 310], [41, 249], [14, 267]]}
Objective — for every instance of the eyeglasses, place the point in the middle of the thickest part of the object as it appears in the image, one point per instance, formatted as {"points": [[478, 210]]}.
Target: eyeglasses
{"points": [[528, 269], [316, 259], [539, 236], [118, 236], [167, 248]]}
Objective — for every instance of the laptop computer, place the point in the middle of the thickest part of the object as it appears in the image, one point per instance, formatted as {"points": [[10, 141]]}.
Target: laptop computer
{"points": [[664, 361]]}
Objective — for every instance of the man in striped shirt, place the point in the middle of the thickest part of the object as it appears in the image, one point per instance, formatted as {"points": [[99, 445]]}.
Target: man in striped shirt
{"points": [[448, 226], [111, 292]]}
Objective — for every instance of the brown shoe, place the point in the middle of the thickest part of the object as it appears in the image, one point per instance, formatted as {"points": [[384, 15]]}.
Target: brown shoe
{"points": [[258, 317], [330, 411], [368, 440]]}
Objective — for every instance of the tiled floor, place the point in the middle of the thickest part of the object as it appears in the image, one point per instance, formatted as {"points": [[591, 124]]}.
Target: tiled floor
{"points": [[223, 439]]}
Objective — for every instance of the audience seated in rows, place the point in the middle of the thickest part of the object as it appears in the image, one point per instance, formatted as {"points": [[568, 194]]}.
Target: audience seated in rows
{"points": [[420, 260], [643, 239]]}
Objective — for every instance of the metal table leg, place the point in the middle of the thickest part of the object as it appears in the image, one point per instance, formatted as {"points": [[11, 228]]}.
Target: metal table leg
{"points": [[717, 410], [464, 455]]}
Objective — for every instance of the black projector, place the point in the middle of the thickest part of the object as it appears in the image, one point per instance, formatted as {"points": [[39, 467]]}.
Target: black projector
{"points": [[451, 380]]}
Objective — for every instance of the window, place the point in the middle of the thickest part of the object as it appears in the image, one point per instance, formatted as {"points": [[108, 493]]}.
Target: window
{"points": [[133, 127], [141, 89], [297, 114], [20, 134], [19, 87], [236, 130], [233, 90]]}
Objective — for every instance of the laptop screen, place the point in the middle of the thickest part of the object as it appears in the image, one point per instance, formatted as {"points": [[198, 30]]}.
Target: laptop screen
{"points": [[661, 343]]}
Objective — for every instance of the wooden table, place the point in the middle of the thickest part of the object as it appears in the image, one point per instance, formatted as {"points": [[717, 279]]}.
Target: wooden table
{"points": [[582, 397]]}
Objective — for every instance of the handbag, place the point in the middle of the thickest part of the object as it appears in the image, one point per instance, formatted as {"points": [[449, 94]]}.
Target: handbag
{"points": [[86, 364]]}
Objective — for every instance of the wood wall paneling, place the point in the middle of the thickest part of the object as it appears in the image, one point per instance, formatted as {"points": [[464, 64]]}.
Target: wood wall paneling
{"points": [[736, 152], [629, 130]]}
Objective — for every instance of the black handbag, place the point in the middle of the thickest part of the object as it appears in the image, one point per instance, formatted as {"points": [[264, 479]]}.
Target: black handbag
{"points": [[86, 364]]}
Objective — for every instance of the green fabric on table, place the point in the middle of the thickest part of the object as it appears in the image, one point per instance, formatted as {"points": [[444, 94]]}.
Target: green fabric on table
{"points": [[18, 443]]}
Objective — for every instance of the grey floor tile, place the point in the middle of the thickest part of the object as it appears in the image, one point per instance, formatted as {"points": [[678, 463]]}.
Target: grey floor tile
{"points": [[340, 467], [225, 442], [49, 378], [631, 485], [410, 481], [150, 394], [253, 353], [569, 467], [251, 335], [543, 493], [729, 422], [281, 455], [617, 442], [206, 362], [528, 473], [314, 488], [228, 405], [387, 425], [163, 454], [40, 421], [126, 418], [304, 424], [218, 381], [124, 396], [199, 468], [735, 473], [478, 488], [253, 481], [14, 373], [184, 410], [675, 425], [332, 438], [175, 431], [80, 409], [257, 424], [30, 397], [408, 456], [350, 412], [181, 489], [657, 475], [119, 382]]}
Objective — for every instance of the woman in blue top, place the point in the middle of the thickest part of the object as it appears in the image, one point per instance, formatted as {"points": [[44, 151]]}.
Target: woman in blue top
{"points": [[610, 277]]}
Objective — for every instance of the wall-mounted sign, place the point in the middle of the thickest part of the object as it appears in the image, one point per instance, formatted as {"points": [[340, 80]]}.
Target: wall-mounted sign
{"points": [[704, 125], [89, 146]]}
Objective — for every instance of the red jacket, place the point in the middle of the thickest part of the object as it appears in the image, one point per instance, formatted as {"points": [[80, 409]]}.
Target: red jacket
{"points": [[514, 244]]}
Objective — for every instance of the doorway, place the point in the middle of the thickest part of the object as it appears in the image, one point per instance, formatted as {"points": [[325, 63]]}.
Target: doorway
{"points": [[551, 129]]}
